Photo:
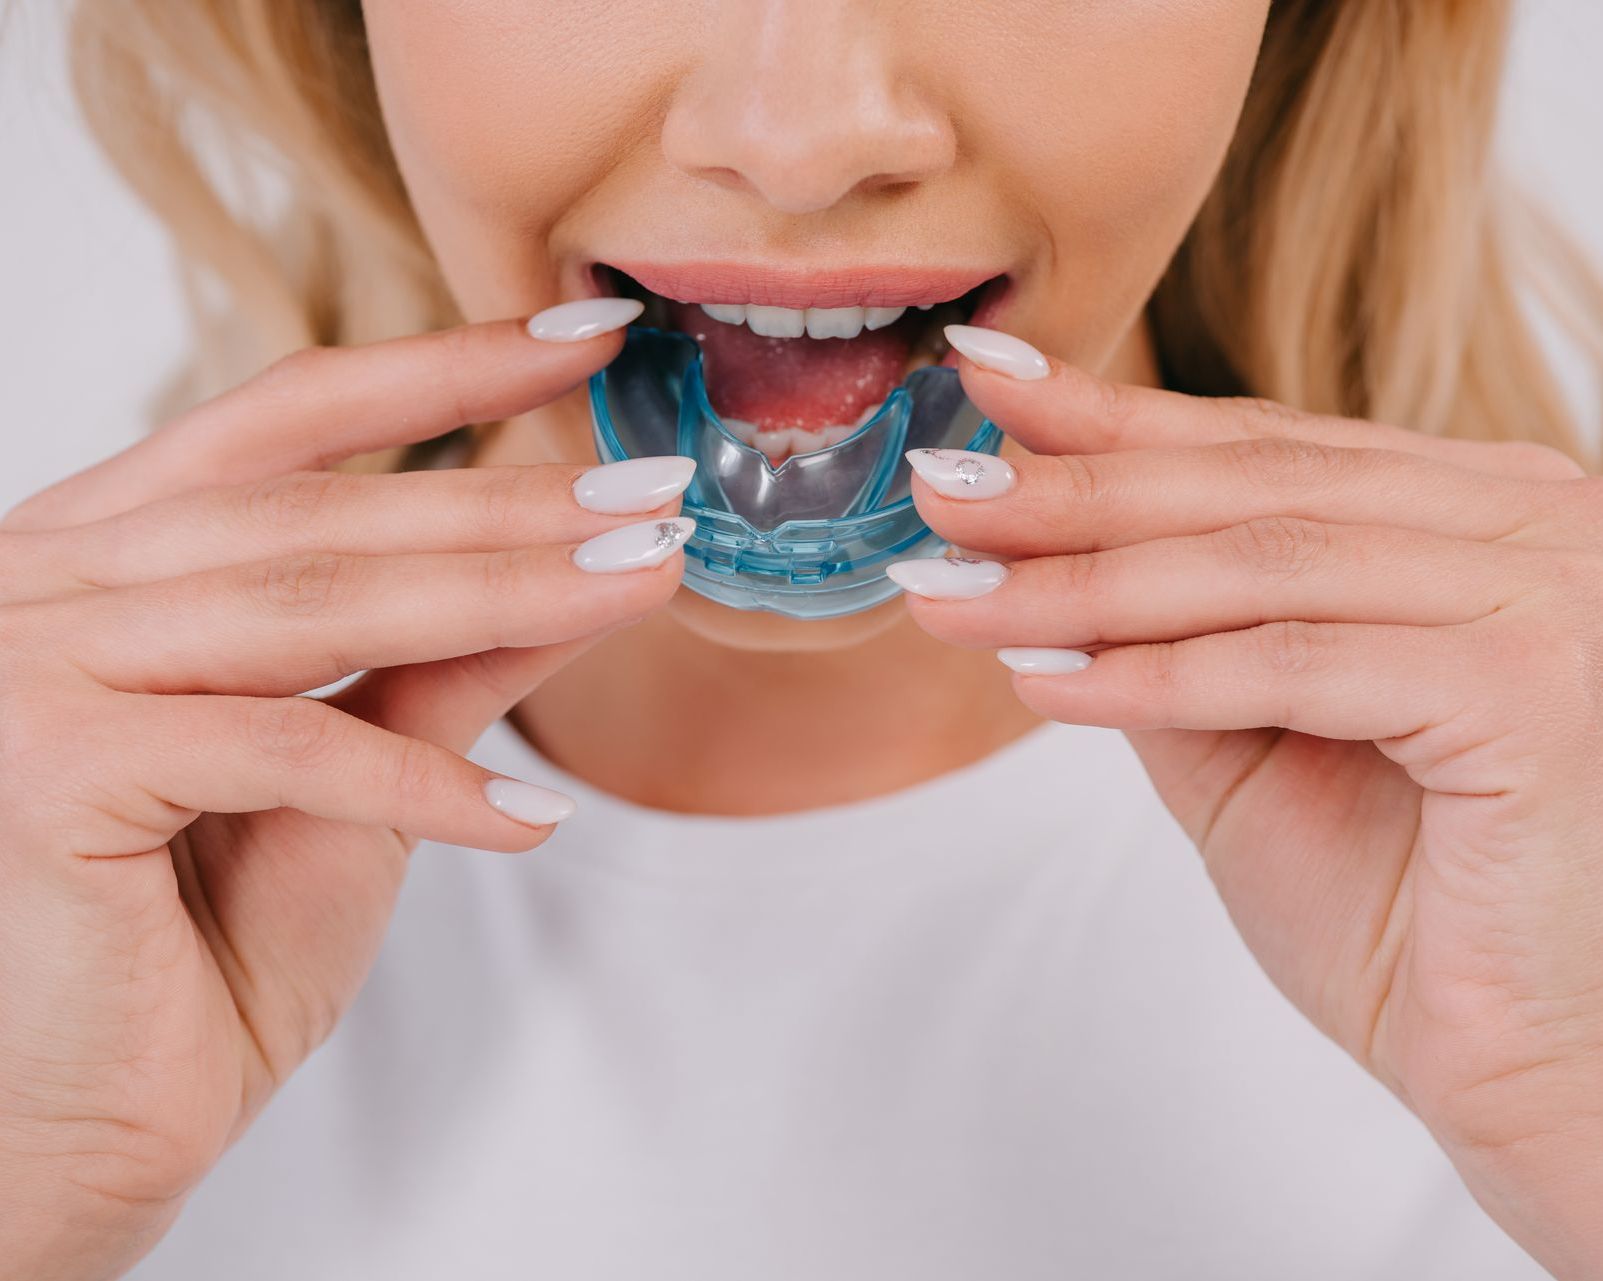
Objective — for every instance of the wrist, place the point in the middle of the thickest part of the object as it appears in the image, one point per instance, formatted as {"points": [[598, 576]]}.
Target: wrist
{"points": [[1546, 1191], [53, 1231]]}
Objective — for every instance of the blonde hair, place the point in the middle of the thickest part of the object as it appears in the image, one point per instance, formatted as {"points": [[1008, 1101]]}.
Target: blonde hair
{"points": [[1358, 255]]}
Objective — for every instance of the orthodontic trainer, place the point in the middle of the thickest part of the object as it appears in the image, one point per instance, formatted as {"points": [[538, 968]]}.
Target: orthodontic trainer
{"points": [[810, 538]]}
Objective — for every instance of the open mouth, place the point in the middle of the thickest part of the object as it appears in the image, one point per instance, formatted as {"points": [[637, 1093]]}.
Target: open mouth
{"points": [[792, 379]]}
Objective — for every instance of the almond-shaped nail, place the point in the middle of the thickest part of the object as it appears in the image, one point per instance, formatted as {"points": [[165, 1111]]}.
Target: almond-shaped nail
{"points": [[633, 485], [527, 804], [961, 473], [1002, 353], [1045, 662], [947, 577], [638, 546], [576, 321]]}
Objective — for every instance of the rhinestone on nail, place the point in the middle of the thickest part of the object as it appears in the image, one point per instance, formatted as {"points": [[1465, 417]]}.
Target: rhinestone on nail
{"points": [[669, 534], [969, 470]]}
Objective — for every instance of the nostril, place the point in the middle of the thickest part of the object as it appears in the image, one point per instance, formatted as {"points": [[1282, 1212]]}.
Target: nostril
{"points": [[803, 142]]}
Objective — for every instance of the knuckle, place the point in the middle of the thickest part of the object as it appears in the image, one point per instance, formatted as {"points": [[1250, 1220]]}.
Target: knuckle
{"points": [[284, 504], [455, 353], [1260, 411], [1289, 647], [296, 732], [506, 573], [504, 499], [1083, 574], [1160, 671], [1280, 462], [31, 513], [413, 769], [1083, 479], [1278, 546], [303, 584], [1105, 418], [1114, 407], [288, 374]]}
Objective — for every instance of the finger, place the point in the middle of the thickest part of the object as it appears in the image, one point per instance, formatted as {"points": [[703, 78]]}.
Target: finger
{"points": [[246, 755], [1086, 502], [463, 510], [452, 702], [323, 405], [1349, 681], [1072, 411], [1261, 571], [306, 621], [33, 566]]}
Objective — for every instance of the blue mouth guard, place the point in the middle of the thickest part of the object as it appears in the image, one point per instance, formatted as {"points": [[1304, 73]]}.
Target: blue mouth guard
{"points": [[810, 538]]}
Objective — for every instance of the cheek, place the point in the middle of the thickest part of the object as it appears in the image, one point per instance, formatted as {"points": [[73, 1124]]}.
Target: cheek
{"points": [[1134, 101], [502, 114], [1115, 116]]}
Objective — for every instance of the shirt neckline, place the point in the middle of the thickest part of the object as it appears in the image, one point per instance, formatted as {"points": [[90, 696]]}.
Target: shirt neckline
{"points": [[613, 834]]}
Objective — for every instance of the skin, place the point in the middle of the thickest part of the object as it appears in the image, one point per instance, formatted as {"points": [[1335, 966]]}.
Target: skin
{"points": [[1390, 637], [1067, 145]]}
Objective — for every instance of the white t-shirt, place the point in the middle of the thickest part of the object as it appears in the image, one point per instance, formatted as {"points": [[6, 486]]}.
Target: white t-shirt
{"points": [[995, 1027]]}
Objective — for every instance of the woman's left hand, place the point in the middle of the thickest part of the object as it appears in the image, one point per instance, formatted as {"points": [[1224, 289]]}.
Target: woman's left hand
{"points": [[1364, 669]]}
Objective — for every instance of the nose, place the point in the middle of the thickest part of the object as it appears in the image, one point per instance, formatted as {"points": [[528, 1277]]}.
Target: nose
{"points": [[802, 102]]}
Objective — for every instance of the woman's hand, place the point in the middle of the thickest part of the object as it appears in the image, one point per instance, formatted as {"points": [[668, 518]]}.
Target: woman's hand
{"points": [[1364, 669], [196, 867]]}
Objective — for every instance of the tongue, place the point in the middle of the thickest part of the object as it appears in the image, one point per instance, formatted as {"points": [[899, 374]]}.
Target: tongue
{"points": [[809, 383]]}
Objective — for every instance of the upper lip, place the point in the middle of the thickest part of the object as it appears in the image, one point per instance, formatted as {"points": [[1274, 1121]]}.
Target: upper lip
{"points": [[767, 286]]}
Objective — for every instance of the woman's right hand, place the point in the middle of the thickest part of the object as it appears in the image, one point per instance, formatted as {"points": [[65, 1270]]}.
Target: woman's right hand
{"points": [[197, 866]]}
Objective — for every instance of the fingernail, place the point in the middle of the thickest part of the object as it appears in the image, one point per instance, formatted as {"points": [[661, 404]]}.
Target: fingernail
{"points": [[633, 485], [639, 546], [576, 321], [1002, 353], [525, 803], [1045, 662], [960, 473], [947, 577]]}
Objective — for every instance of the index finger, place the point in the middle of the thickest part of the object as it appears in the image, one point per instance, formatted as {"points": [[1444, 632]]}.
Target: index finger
{"points": [[324, 404], [1072, 411]]}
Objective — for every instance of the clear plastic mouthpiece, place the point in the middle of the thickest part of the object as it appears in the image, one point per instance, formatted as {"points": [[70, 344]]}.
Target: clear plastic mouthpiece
{"points": [[811, 537]]}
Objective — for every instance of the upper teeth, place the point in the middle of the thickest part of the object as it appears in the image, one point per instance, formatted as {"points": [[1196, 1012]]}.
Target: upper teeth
{"points": [[815, 322]]}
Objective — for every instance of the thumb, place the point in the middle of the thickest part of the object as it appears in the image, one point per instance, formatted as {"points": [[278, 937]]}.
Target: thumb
{"points": [[453, 701]]}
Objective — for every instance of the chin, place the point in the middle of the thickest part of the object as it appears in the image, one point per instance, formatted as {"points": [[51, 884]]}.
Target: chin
{"points": [[757, 631]]}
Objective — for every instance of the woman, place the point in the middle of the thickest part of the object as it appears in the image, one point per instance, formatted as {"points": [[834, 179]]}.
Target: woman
{"points": [[862, 954]]}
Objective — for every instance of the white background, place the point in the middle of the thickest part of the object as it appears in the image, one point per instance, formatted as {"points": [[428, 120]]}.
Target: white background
{"points": [[90, 319]]}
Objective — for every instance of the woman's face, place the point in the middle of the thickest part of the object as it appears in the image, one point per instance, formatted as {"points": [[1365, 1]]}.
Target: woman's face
{"points": [[1033, 161]]}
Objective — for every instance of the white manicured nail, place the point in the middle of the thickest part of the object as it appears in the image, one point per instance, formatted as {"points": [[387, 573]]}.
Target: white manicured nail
{"points": [[947, 577], [633, 485], [994, 350], [525, 803], [960, 473], [639, 546], [576, 321], [1045, 662]]}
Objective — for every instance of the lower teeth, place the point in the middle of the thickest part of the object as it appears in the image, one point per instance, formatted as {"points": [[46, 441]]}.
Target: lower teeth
{"points": [[785, 441], [929, 347]]}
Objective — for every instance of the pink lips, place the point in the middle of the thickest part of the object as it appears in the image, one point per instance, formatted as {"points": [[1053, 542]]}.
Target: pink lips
{"points": [[788, 287]]}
